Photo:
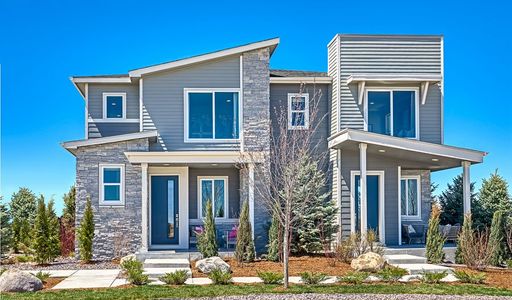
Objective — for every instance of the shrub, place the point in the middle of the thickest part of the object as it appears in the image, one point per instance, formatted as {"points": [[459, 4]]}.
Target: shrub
{"points": [[356, 244], [274, 239], [5, 229], [354, 277], [470, 277], [391, 274], [177, 277], [429, 277], [509, 263], [67, 228], [219, 276], [86, 233], [207, 240], [244, 251], [312, 277], [497, 239], [24, 258], [435, 240], [270, 277], [474, 248], [134, 272], [43, 276], [46, 233], [23, 207]]}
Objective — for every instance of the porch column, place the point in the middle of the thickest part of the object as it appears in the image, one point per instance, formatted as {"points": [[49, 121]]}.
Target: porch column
{"points": [[144, 193], [466, 186], [362, 189], [251, 197]]}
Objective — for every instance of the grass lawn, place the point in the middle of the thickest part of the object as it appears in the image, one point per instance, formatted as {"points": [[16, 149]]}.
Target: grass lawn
{"points": [[150, 292]]}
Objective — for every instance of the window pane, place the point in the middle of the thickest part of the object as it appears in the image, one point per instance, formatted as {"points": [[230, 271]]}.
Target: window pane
{"points": [[298, 119], [379, 112], [404, 114], [112, 175], [114, 107], [112, 193], [206, 194], [219, 199], [413, 196], [298, 103], [226, 115], [403, 197], [200, 123]]}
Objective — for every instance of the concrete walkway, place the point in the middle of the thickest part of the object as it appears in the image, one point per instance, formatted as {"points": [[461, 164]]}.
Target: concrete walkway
{"points": [[82, 279]]}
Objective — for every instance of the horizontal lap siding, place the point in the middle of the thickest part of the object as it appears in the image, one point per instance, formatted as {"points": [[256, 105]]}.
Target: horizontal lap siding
{"points": [[163, 108], [97, 130]]}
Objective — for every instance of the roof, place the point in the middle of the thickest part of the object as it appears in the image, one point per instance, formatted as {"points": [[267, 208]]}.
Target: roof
{"points": [[296, 73], [73, 145]]}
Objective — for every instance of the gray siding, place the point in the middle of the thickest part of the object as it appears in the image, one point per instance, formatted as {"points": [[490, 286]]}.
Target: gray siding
{"points": [[163, 97], [97, 130], [233, 189]]}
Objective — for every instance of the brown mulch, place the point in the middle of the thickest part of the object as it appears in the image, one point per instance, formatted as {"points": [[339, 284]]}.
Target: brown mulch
{"points": [[51, 282], [297, 266], [496, 277]]}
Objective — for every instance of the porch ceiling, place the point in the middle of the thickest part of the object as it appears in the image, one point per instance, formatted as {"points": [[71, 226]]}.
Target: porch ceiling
{"points": [[413, 154], [190, 157]]}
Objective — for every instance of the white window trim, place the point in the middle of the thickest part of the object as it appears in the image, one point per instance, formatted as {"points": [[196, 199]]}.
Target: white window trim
{"points": [[186, 137], [305, 111], [102, 184], [391, 90], [105, 95], [416, 217], [200, 179]]}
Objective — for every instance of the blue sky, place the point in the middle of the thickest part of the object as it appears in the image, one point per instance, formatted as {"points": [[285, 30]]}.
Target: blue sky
{"points": [[42, 43]]}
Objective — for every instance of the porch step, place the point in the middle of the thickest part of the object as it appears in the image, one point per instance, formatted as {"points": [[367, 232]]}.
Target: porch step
{"points": [[155, 273], [151, 263], [394, 259], [418, 269]]}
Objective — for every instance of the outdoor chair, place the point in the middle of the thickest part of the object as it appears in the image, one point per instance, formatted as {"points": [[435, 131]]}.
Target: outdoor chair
{"points": [[194, 231], [417, 233], [450, 232], [229, 237]]}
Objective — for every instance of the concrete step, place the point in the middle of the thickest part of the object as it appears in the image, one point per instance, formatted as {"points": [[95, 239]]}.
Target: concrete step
{"points": [[154, 273], [166, 263], [418, 269], [394, 259]]}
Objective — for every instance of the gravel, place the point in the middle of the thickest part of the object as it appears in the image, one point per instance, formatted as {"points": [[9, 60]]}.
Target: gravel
{"points": [[355, 297], [64, 263]]}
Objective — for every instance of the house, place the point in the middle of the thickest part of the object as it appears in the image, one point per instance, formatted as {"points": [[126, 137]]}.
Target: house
{"points": [[162, 139]]}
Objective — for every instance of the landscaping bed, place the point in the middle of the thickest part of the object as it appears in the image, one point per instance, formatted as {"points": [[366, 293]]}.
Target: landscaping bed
{"points": [[495, 277], [63, 263]]}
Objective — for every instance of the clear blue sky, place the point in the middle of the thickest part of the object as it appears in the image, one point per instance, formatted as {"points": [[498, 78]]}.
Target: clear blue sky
{"points": [[42, 43]]}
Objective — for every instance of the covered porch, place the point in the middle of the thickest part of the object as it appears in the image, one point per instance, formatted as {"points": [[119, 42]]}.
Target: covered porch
{"points": [[379, 176]]}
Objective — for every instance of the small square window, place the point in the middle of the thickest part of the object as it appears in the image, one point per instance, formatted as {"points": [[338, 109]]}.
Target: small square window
{"points": [[114, 105], [111, 182]]}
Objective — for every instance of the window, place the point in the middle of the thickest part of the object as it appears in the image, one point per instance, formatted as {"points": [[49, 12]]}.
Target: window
{"points": [[410, 197], [211, 115], [114, 105], [392, 112], [111, 184], [298, 111], [215, 190]]}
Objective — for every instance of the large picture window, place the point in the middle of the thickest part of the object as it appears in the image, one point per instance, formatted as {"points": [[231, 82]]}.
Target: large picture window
{"points": [[392, 112], [211, 115], [215, 190], [111, 180], [410, 197]]}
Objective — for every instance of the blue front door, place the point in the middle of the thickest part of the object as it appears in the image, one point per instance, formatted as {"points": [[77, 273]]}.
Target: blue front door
{"points": [[372, 198], [164, 210]]}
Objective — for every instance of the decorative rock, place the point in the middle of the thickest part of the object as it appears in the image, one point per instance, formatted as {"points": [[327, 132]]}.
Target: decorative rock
{"points": [[18, 281], [211, 263], [368, 262], [127, 257]]}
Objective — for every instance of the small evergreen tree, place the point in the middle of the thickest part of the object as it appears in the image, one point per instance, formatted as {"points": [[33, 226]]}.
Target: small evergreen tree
{"points": [[207, 240], [5, 229], [86, 233], [67, 237], [45, 244], [494, 196], [274, 239], [54, 231], [465, 238], [23, 209], [435, 240], [497, 239], [244, 251]]}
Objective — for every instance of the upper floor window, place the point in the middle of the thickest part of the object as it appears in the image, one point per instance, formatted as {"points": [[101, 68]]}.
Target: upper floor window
{"points": [[111, 181], [392, 112], [213, 189], [114, 105], [211, 115], [410, 197], [298, 111]]}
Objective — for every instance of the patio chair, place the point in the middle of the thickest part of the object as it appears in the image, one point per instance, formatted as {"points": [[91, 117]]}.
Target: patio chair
{"points": [[417, 233], [194, 231], [450, 232], [229, 237]]}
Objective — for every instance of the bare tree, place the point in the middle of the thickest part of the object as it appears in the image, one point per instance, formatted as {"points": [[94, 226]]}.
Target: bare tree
{"points": [[278, 172]]}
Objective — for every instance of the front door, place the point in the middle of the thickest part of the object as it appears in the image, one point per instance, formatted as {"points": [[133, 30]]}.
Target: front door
{"points": [[164, 210], [372, 196]]}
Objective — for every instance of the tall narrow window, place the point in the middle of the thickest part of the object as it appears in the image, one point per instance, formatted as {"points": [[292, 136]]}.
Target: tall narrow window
{"points": [[213, 189], [111, 184], [298, 111], [114, 105], [410, 197]]}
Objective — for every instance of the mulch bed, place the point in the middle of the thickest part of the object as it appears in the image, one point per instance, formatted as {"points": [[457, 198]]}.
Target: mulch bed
{"points": [[51, 282], [297, 266], [64, 263], [496, 277]]}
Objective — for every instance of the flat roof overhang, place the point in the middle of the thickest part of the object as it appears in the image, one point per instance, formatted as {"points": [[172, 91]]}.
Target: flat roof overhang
{"points": [[412, 153], [193, 157]]}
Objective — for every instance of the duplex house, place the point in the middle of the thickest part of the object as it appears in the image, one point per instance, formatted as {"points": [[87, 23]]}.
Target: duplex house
{"points": [[162, 139]]}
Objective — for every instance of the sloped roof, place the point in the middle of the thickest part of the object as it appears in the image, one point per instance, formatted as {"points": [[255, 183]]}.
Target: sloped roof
{"points": [[296, 73]]}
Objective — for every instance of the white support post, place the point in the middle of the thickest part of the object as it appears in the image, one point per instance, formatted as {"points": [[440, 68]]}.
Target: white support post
{"points": [[424, 91], [363, 190], [360, 92], [466, 186], [251, 197], [145, 212], [399, 206]]}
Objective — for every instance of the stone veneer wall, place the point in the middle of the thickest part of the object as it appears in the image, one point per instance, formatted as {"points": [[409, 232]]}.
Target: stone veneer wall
{"points": [[117, 229], [256, 131]]}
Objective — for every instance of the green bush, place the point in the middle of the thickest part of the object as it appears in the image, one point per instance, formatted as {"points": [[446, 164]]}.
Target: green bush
{"points": [[177, 277], [509, 263], [86, 233], [207, 240], [24, 258], [244, 251], [497, 239], [429, 277], [312, 277], [46, 243], [470, 277], [134, 272], [270, 277], [219, 276], [391, 274], [435, 240], [43, 276], [354, 277]]}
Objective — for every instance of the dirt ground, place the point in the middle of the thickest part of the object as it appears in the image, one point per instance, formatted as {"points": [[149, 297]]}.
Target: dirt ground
{"points": [[51, 282], [496, 277]]}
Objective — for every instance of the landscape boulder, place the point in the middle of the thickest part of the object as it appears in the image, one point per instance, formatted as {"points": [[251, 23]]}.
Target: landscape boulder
{"points": [[368, 262], [209, 264], [18, 281]]}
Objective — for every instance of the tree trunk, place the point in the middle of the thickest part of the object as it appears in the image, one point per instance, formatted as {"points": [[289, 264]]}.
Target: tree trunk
{"points": [[286, 252]]}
